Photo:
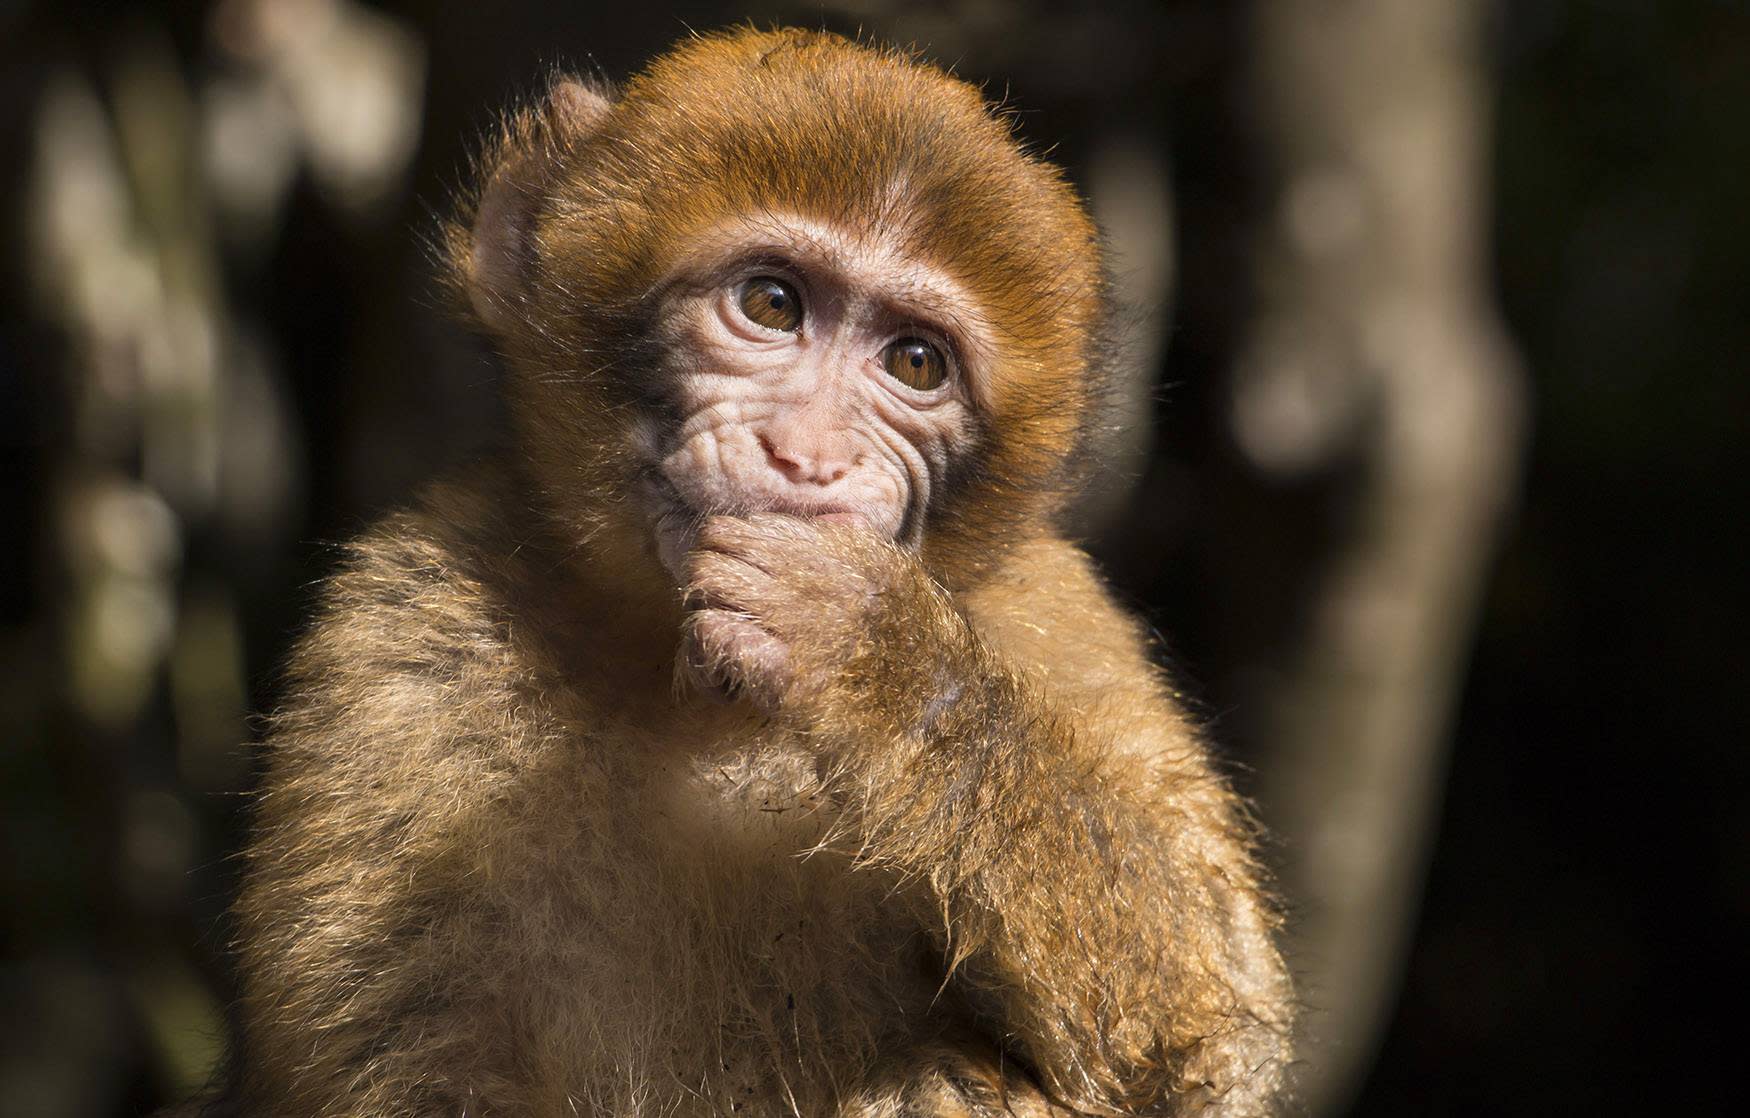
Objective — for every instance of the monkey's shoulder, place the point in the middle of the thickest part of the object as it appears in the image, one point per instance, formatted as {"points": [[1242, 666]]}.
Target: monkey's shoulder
{"points": [[1050, 615], [420, 631], [421, 587], [1048, 608], [459, 619]]}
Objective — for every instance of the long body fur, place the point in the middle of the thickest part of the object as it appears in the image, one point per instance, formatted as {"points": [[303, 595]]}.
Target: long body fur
{"points": [[503, 867]]}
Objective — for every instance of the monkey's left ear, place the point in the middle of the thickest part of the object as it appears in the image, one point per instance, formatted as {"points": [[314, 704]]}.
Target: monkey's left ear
{"points": [[496, 251]]}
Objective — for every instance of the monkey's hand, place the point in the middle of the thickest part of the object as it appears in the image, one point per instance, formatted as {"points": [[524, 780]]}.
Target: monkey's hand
{"points": [[1084, 871], [818, 623]]}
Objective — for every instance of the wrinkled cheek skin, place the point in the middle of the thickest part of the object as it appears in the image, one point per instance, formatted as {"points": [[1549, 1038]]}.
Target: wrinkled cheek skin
{"points": [[740, 433]]}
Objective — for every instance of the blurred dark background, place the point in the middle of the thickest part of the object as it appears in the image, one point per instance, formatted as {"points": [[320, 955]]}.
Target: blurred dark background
{"points": [[1431, 471]]}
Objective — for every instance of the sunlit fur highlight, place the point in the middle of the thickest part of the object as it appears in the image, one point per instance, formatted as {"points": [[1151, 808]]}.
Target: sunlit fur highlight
{"points": [[500, 867]]}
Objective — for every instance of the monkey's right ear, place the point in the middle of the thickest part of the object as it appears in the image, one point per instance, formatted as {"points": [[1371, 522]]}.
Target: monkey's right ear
{"points": [[493, 251]]}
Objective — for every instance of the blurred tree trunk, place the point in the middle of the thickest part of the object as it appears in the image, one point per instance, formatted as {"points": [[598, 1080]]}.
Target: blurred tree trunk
{"points": [[1376, 343]]}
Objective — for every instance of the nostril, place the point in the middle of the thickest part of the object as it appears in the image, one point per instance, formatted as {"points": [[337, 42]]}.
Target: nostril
{"points": [[820, 468], [785, 461]]}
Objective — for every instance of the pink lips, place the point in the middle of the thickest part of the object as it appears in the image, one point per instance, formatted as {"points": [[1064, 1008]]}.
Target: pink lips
{"points": [[853, 519], [822, 513]]}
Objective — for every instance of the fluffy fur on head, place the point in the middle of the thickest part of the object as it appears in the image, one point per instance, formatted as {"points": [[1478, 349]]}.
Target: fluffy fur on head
{"points": [[587, 200]]}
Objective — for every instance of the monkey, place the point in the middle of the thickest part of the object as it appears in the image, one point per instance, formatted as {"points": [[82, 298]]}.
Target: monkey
{"points": [[744, 736]]}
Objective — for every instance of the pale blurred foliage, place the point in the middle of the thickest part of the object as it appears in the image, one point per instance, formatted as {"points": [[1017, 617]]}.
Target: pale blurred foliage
{"points": [[326, 82], [138, 201]]}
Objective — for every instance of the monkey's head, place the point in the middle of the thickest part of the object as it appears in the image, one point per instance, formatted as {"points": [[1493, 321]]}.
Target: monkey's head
{"points": [[783, 271]]}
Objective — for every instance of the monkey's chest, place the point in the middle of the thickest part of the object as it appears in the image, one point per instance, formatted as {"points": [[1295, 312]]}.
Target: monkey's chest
{"points": [[754, 802], [733, 946]]}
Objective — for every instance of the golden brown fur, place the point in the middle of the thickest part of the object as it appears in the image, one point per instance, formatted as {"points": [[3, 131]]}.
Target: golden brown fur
{"points": [[968, 858]]}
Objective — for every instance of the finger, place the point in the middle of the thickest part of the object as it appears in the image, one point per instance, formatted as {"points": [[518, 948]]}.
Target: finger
{"points": [[762, 538], [724, 650], [717, 580]]}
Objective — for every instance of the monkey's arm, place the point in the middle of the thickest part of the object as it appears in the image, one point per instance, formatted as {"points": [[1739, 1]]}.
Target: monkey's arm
{"points": [[1093, 874], [1017, 759]]}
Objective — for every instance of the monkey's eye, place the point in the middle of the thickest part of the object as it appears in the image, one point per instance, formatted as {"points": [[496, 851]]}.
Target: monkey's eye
{"points": [[772, 303], [915, 363]]}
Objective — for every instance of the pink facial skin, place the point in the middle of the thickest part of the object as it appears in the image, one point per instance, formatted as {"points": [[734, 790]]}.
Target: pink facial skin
{"points": [[806, 421]]}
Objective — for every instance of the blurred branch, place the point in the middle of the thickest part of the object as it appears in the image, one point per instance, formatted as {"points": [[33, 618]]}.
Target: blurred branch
{"points": [[1376, 341]]}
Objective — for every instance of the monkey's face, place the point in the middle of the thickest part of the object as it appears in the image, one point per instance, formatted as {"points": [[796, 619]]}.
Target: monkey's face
{"points": [[807, 372], [784, 272]]}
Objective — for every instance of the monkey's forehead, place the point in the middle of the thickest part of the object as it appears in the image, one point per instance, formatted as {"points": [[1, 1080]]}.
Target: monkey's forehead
{"points": [[868, 139]]}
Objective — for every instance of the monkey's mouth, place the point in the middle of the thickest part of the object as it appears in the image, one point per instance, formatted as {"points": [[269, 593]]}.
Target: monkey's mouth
{"points": [[674, 521]]}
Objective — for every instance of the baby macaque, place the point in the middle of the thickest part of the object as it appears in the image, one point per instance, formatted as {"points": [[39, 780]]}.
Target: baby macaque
{"points": [[745, 738]]}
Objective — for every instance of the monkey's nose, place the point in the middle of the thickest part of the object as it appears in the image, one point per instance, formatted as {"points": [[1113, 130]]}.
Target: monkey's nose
{"points": [[799, 466]]}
